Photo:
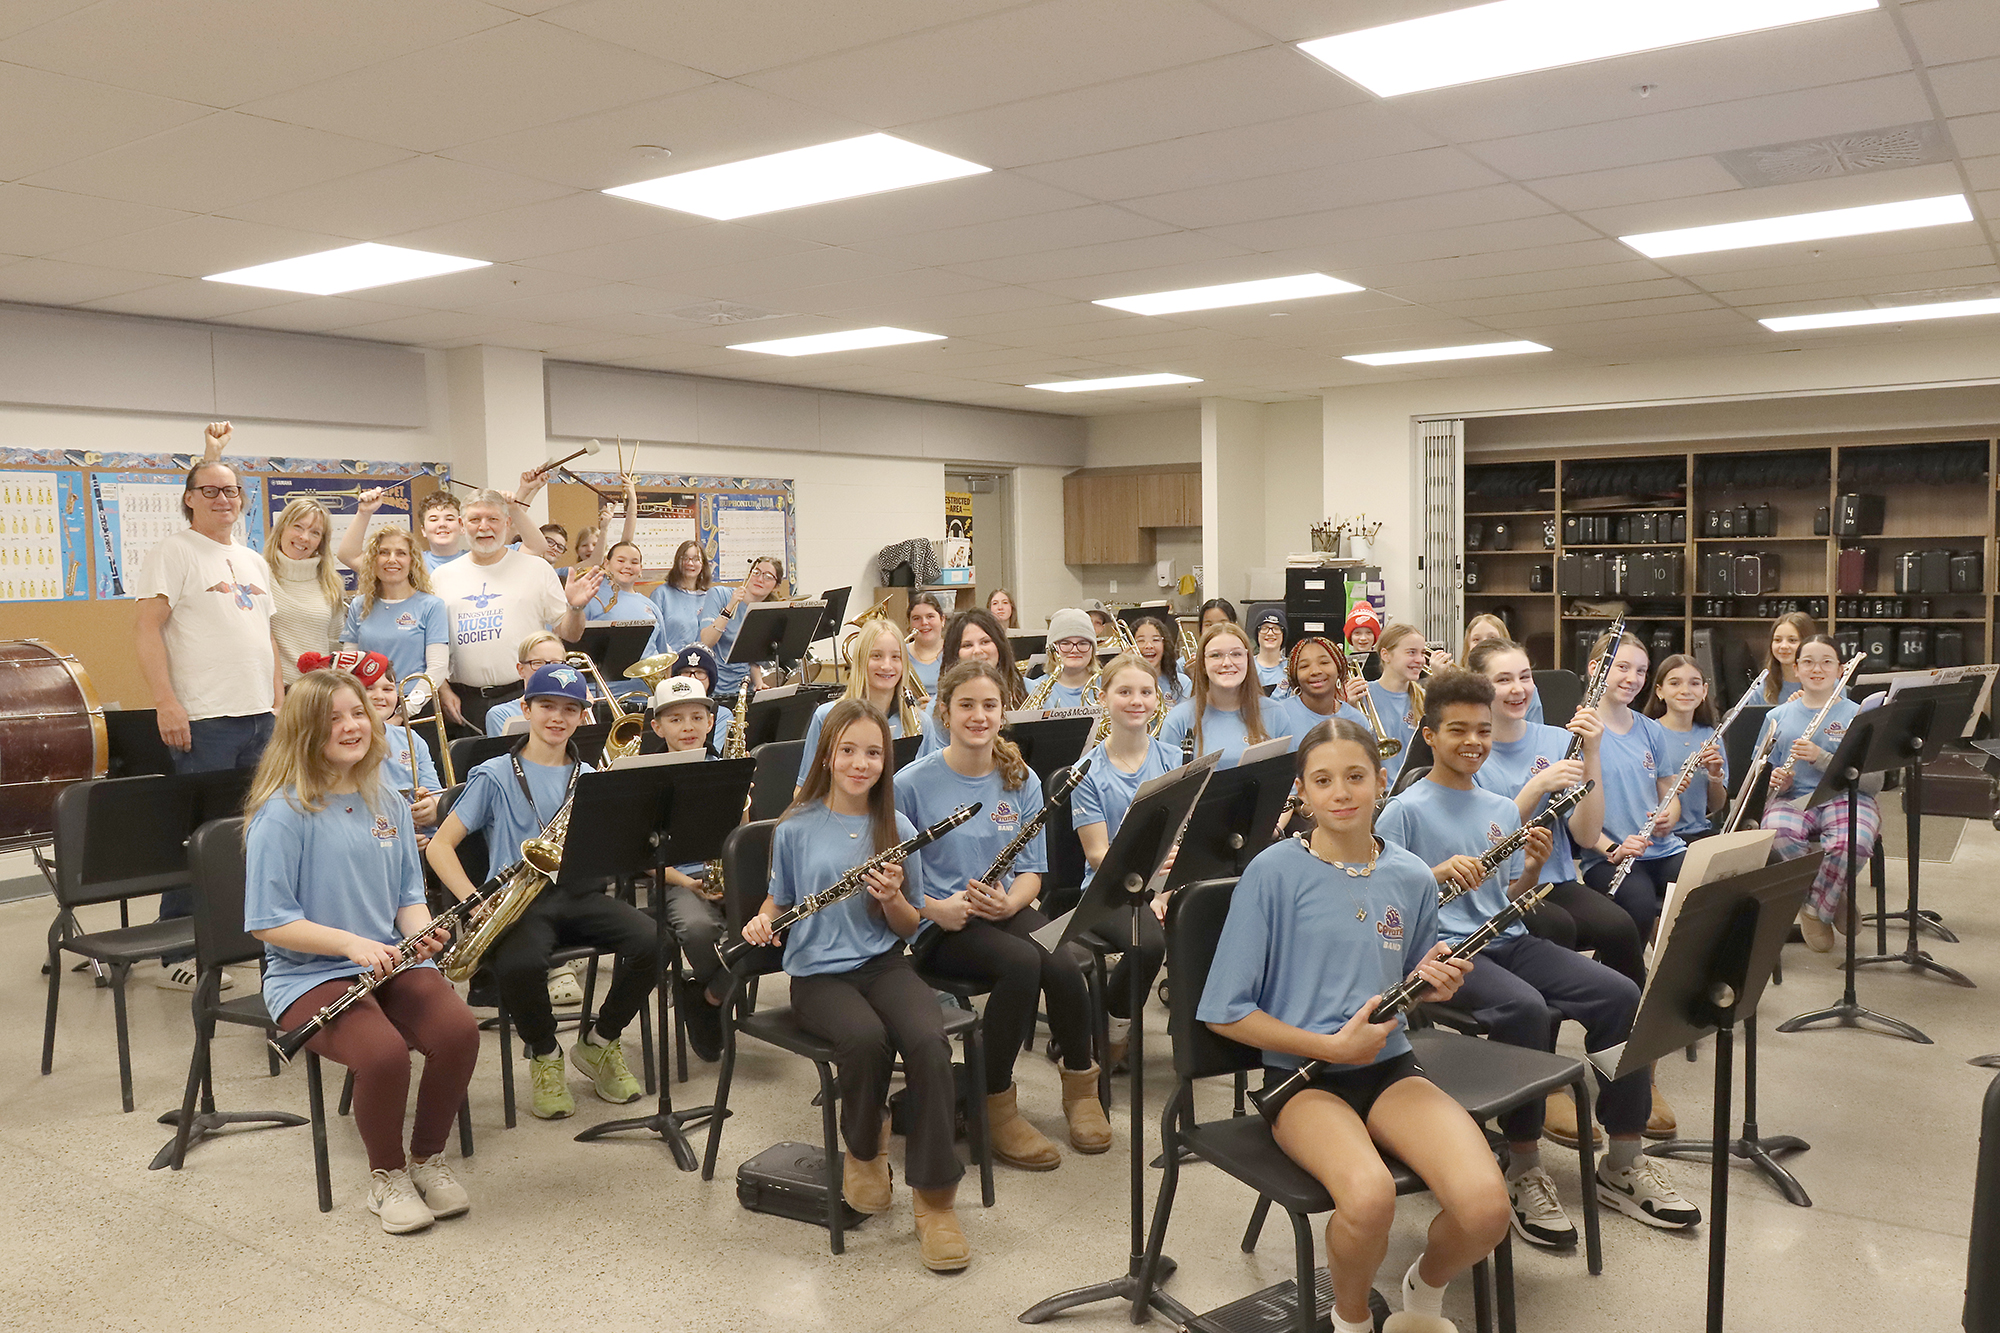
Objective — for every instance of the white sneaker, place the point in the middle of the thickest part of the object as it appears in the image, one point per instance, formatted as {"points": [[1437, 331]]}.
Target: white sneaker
{"points": [[1538, 1214], [394, 1198], [182, 976], [442, 1193], [564, 993], [1644, 1194]]}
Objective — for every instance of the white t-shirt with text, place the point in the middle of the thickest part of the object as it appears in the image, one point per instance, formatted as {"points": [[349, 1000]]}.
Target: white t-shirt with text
{"points": [[218, 633], [493, 607]]}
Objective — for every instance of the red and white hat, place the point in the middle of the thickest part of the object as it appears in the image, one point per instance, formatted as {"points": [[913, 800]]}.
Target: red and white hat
{"points": [[364, 667], [1362, 614]]}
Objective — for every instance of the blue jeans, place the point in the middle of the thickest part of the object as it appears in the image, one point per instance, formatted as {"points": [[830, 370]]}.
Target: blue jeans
{"points": [[216, 744]]}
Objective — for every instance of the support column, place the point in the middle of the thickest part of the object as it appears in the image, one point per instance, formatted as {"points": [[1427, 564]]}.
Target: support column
{"points": [[499, 417], [1232, 496]]}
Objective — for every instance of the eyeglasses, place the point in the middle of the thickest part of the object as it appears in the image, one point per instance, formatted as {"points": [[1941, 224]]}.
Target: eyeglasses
{"points": [[1075, 645], [1226, 655], [213, 492]]}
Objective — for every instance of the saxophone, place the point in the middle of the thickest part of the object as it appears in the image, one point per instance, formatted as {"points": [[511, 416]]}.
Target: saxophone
{"points": [[517, 887], [733, 747]]}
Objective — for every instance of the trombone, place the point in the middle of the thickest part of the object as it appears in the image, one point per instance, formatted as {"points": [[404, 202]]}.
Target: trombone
{"points": [[1387, 746], [627, 725], [410, 704]]}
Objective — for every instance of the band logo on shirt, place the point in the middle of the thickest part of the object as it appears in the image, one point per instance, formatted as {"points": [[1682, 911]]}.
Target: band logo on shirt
{"points": [[482, 626], [1835, 729], [406, 621], [1005, 816], [1646, 761], [384, 831], [1390, 928], [1541, 762], [240, 592], [1494, 834]]}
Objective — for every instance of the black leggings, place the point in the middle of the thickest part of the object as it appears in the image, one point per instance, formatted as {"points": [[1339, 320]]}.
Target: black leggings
{"points": [[1577, 916], [1000, 956], [1146, 958]]}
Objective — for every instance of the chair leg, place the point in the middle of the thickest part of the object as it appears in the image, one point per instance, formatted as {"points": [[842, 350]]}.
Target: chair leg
{"points": [[347, 1093], [316, 1094], [55, 991], [1482, 1296], [465, 1128], [1586, 1152], [506, 1066], [829, 1123], [975, 1079], [197, 1078], [1503, 1279], [1252, 1232], [1308, 1284], [723, 1077], [118, 976]]}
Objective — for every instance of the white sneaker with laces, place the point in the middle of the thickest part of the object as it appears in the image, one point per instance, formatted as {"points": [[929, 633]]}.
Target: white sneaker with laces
{"points": [[1538, 1214], [442, 1193], [394, 1198], [183, 976], [1644, 1194]]}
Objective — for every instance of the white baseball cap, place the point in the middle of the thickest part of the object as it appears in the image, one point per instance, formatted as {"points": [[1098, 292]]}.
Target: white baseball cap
{"points": [[680, 690]]}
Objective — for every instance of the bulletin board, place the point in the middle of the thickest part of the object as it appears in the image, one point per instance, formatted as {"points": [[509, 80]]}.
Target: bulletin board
{"points": [[736, 519], [78, 525]]}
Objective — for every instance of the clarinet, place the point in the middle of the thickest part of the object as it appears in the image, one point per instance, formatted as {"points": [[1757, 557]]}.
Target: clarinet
{"points": [[1496, 855], [1403, 994], [289, 1044], [1686, 777], [1064, 786], [1593, 693], [850, 883]]}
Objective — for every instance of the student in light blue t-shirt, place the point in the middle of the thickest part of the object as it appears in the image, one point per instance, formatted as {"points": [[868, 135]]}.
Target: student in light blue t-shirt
{"points": [[852, 982], [1682, 705], [1313, 687], [875, 673], [395, 613], [1318, 929], [538, 650], [1226, 711], [926, 645], [1633, 753], [1159, 646], [725, 623], [1450, 822], [332, 885], [685, 601], [1272, 665]]}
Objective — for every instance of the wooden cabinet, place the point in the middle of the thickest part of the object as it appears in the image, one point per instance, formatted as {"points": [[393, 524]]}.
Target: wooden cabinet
{"points": [[1110, 514]]}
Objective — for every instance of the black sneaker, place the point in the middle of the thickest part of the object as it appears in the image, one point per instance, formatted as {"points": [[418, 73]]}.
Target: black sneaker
{"points": [[704, 1021]]}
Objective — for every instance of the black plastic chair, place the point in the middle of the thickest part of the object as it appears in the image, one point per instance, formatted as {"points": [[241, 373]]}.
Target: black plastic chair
{"points": [[746, 858], [1243, 1145], [116, 839], [776, 777]]}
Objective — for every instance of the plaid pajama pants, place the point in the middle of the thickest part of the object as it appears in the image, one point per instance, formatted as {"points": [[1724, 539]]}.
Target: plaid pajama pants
{"points": [[1797, 830]]}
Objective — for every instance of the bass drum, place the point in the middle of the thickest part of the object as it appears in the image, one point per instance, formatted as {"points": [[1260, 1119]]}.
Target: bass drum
{"points": [[51, 734]]}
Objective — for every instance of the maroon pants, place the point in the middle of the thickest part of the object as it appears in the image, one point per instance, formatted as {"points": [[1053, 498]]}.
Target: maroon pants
{"points": [[415, 1010]]}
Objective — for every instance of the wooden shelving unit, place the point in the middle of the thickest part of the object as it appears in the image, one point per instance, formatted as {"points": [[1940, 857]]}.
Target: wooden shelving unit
{"points": [[1529, 488]]}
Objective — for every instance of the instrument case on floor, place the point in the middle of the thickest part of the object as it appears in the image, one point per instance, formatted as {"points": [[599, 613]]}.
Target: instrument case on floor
{"points": [[789, 1180], [1954, 785]]}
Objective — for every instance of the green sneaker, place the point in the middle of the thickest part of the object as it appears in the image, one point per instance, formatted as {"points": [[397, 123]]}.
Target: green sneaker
{"points": [[552, 1099], [609, 1073]]}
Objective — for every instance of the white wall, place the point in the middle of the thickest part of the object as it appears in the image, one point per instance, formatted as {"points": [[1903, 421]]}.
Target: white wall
{"points": [[1294, 459], [1043, 582], [1136, 439]]}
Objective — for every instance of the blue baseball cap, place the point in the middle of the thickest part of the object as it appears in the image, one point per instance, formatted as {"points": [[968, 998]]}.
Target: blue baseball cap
{"points": [[557, 681], [701, 659]]}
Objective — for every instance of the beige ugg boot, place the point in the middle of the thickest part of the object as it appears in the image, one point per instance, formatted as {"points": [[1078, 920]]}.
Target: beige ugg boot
{"points": [[1015, 1141], [940, 1239], [1089, 1131]]}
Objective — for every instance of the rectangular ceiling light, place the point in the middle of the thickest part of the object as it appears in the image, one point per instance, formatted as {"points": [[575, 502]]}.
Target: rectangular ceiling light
{"points": [[1516, 36], [1901, 314], [1260, 292], [1114, 382], [1445, 353], [844, 169], [348, 269], [1864, 221], [847, 341]]}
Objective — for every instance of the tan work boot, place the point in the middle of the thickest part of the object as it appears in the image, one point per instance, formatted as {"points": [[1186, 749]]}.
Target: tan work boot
{"points": [[865, 1182], [1660, 1122], [940, 1239], [1559, 1118], [1015, 1141], [1089, 1131]]}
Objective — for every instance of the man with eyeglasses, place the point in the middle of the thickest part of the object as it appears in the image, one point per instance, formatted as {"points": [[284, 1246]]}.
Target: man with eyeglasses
{"points": [[204, 645]]}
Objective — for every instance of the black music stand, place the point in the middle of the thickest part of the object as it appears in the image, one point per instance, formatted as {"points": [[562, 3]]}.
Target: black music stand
{"points": [[638, 819], [776, 632], [614, 645], [468, 752], [1709, 973], [1236, 818], [830, 618], [786, 716], [134, 747], [906, 749], [1951, 708], [1877, 741], [1121, 885], [1051, 743]]}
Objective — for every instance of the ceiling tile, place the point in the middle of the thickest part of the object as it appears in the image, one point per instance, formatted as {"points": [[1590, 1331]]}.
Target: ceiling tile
{"points": [[1775, 290], [611, 298], [508, 78], [215, 162], [1019, 236], [1968, 90], [854, 301], [558, 226], [992, 197], [191, 298], [1087, 268], [36, 221], [683, 250], [949, 70], [322, 314], [401, 197], [1808, 196], [22, 15], [1976, 136], [1565, 264], [1691, 176], [1952, 30], [198, 246], [433, 328], [1540, 298], [1895, 251], [1428, 171], [1331, 232], [228, 52], [49, 282], [485, 286], [751, 280], [52, 119]]}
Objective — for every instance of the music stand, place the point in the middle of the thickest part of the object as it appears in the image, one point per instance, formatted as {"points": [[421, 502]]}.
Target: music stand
{"points": [[1157, 816], [614, 645], [1951, 708], [775, 632], [906, 749], [634, 820], [1709, 971], [1877, 741], [469, 752], [1236, 818], [784, 713], [1027, 644], [133, 744], [1051, 743]]}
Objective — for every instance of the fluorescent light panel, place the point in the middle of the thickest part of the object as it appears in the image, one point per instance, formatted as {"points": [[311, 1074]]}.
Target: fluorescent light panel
{"points": [[1867, 220], [844, 169], [848, 340], [1258, 292], [1114, 382], [1901, 314], [349, 269], [1516, 36], [1445, 353]]}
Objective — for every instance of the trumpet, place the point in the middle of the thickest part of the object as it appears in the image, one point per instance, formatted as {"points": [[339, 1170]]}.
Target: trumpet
{"points": [[411, 703], [1385, 745], [627, 725]]}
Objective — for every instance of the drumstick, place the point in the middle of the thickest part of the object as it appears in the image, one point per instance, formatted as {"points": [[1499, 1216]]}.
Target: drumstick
{"points": [[589, 448]]}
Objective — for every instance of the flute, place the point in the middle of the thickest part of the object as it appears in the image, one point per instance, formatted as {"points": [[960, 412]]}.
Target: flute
{"points": [[1685, 777]]}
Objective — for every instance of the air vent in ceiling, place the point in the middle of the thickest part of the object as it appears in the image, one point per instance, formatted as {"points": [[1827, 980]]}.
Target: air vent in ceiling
{"points": [[1984, 291], [717, 312], [1838, 155]]}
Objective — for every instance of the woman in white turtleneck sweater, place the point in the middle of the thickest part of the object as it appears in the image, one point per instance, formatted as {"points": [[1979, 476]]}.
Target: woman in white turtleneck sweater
{"points": [[310, 606]]}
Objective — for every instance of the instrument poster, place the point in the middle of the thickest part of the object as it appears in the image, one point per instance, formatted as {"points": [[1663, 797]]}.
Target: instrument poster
{"points": [[342, 497], [43, 525], [137, 510], [747, 527], [664, 522]]}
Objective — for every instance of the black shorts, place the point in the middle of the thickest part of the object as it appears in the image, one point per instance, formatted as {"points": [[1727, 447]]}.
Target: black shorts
{"points": [[1359, 1086]]}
